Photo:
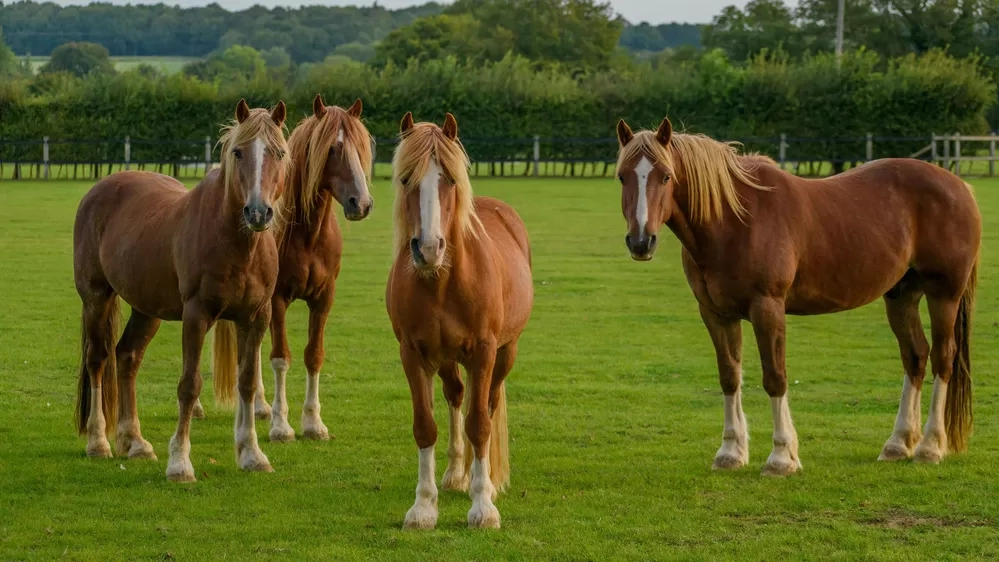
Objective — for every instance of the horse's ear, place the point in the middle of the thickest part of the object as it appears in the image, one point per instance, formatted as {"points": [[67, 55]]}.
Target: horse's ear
{"points": [[407, 123], [279, 113], [450, 127], [355, 110], [318, 106], [242, 111], [665, 132], [624, 134]]}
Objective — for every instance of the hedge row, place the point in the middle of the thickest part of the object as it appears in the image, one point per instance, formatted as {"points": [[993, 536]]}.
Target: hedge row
{"points": [[911, 96]]}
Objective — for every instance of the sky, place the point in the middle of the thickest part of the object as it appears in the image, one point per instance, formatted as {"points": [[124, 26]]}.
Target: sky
{"points": [[652, 11]]}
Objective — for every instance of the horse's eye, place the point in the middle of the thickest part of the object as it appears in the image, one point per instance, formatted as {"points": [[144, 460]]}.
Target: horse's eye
{"points": [[237, 153], [665, 179], [620, 178]]}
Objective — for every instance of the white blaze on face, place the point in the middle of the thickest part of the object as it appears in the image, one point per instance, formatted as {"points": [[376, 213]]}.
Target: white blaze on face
{"points": [[430, 204], [356, 170], [258, 169], [643, 170]]}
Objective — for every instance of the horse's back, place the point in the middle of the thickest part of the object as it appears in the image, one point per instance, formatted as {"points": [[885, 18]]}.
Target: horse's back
{"points": [[123, 238]]}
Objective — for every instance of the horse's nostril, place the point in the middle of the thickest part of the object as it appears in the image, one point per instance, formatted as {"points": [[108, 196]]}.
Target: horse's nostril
{"points": [[352, 202], [246, 211], [269, 214], [440, 244]]}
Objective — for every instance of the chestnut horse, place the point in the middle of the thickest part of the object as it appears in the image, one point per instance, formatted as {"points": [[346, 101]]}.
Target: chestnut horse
{"points": [[330, 155], [172, 254], [460, 292], [759, 243]]}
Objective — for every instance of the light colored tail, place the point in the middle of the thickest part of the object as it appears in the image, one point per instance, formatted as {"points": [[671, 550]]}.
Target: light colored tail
{"points": [[957, 408], [224, 362], [109, 378], [499, 444]]}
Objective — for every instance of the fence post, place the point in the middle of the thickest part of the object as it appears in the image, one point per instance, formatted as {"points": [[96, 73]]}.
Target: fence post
{"points": [[992, 154], [870, 147], [946, 147], [783, 149], [957, 154], [374, 156], [128, 153], [45, 155], [933, 149], [208, 155], [537, 154]]}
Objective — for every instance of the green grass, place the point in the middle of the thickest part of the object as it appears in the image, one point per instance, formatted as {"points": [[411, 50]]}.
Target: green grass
{"points": [[615, 416], [169, 65]]}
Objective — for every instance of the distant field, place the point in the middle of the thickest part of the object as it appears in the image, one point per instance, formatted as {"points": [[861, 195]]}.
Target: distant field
{"points": [[167, 64]]}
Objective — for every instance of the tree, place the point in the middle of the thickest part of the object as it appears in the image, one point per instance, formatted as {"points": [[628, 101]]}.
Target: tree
{"points": [[79, 59], [764, 25], [237, 63], [9, 65], [436, 37]]}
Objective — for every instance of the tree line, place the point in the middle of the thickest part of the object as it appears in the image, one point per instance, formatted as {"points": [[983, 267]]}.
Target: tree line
{"points": [[909, 96]]}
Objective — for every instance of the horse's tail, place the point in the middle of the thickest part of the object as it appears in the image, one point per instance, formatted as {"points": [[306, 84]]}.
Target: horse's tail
{"points": [[224, 362], [109, 377], [499, 444], [957, 409]]}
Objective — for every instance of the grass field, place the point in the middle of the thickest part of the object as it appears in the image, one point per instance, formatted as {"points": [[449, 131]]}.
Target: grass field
{"points": [[615, 416], [166, 64]]}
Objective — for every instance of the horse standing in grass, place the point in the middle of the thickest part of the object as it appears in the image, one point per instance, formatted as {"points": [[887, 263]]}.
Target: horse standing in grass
{"points": [[330, 154], [460, 292], [759, 243], [196, 256]]}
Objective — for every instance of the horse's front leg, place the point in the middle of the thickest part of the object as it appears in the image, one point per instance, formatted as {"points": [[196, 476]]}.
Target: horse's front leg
{"points": [[423, 514], [249, 336], [478, 427], [726, 335], [196, 323], [767, 317]]}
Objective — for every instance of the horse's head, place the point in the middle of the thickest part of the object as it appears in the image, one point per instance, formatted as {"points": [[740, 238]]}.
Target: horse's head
{"points": [[646, 188], [430, 172], [253, 160], [346, 158]]}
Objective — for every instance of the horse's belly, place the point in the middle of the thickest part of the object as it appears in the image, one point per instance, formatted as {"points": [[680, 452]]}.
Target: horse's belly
{"points": [[849, 287], [141, 272]]}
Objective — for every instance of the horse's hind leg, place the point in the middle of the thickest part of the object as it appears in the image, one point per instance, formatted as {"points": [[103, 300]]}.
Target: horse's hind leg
{"points": [[455, 477], [903, 317], [312, 424], [98, 385], [932, 446], [281, 430], [131, 348], [726, 335]]}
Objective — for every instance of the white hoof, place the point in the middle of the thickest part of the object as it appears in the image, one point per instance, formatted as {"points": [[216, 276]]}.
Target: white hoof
{"points": [[199, 411], [455, 479], [98, 447], [314, 428], [181, 471], [895, 450], [141, 449], [483, 515], [252, 459], [422, 515], [781, 464], [262, 410], [281, 432], [929, 452], [731, 456]]}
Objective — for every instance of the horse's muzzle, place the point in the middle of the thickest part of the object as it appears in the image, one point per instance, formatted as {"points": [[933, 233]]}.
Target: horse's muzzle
{"points": [[642, 247], [258, 216], [356, 210]]}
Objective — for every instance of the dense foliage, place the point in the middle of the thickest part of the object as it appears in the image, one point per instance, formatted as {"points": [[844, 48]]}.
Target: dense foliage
{"points": [[511, 99]]}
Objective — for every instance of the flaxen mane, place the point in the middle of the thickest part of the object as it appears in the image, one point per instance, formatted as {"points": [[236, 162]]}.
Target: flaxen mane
{"points": [[310, 144], [259, 124], [709, 169], [411, 160]]}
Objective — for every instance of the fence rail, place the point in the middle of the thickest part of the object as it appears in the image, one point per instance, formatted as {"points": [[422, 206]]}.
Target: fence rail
{"points": [[538, 156]]}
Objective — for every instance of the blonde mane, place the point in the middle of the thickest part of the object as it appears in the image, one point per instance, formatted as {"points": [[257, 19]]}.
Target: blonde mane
{"points": [[708, 168], [310, 145], [258, 125], [411, 160]]}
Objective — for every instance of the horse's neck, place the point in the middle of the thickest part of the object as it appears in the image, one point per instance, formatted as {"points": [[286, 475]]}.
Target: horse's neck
{"points": [[211, 195], [697, 239], [310, 225]]}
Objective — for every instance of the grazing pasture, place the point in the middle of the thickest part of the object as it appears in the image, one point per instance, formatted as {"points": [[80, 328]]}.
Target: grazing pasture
{"points": [[614, 408], [168, 65]]}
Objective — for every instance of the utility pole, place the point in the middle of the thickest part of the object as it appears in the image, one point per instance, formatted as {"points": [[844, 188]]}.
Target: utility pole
{"points": [[839, 32]]}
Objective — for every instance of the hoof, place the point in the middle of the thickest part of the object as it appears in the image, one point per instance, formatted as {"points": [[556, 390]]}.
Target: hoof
{"points": [[455, 480], [99, 450], [282, 434], [780, 468], [894, 451], [420, 517], [484, 516], [254, 460], [181, 474], [317, 432], [728, 462], [928, 455], [262, 411], [199, 411], [141, 449]]}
